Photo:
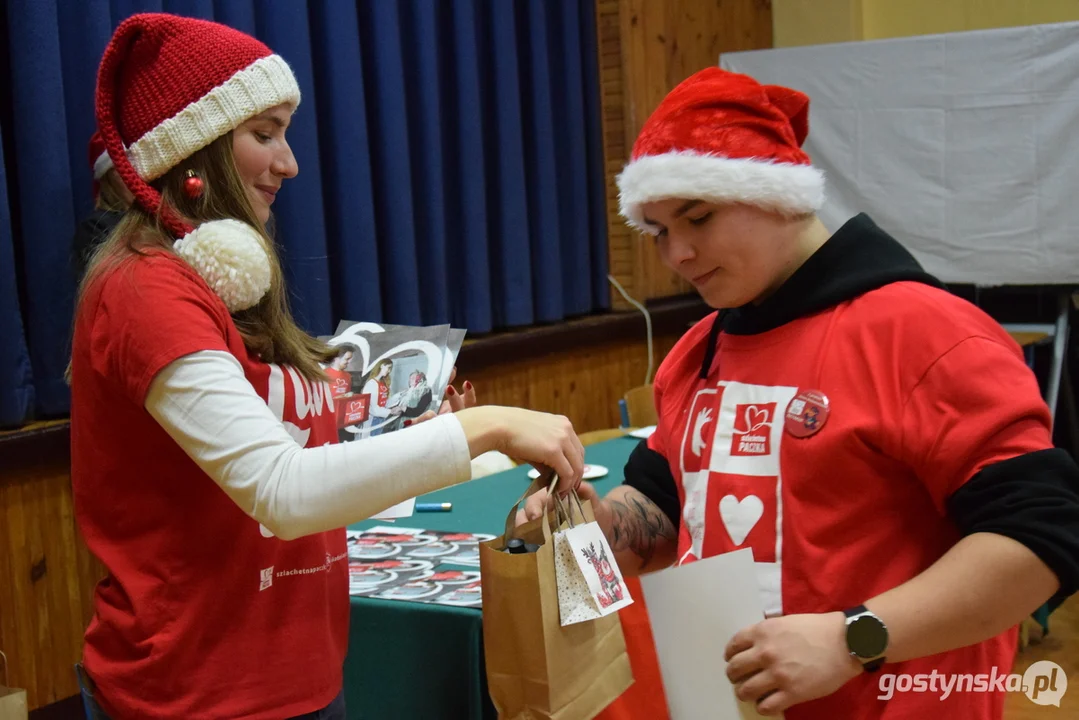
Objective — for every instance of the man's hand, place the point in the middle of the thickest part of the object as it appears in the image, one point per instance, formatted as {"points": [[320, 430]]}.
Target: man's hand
{"points": [[640, 534], [788, 660]]}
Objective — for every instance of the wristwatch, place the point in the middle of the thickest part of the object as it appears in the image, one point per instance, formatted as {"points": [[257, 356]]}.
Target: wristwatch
{"points": [[867, 637]]}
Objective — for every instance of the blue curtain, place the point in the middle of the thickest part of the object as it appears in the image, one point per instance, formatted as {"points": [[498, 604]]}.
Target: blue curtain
{"points": [[451, 166]]}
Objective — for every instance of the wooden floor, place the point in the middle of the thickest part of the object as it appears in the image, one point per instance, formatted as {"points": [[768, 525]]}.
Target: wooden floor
{"points": [[1062, 647]]}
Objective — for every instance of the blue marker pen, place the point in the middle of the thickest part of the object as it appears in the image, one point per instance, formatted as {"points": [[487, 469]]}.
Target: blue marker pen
{"points": [[434, 507]]}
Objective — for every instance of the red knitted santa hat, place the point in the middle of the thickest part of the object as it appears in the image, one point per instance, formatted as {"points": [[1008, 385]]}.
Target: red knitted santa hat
{"points": [[169, 86], [725, 138]]}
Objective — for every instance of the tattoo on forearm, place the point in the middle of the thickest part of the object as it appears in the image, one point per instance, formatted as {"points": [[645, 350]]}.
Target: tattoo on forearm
{"points": [[638, 525]]}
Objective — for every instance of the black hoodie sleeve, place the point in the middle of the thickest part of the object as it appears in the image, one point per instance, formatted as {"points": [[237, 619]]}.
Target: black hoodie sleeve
{"points": [[649, 473], [1033, 499]]}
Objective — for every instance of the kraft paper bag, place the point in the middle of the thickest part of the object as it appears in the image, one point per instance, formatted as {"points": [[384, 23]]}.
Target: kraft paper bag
{"points": [[12, 700], [537, 669]]}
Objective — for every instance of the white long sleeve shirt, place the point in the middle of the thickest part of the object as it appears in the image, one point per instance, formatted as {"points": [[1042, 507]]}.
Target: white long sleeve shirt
{"points": [[209, 408]]}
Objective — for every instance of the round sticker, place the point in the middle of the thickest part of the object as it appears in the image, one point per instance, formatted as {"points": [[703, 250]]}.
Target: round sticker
{"points": [[369, 548], [433, 550], [467, 596], [411, 590], [807, 413], [591, 472]]}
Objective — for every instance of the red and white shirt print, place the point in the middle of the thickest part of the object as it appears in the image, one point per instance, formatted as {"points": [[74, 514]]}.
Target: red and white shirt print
{"points": [[731, 479]]}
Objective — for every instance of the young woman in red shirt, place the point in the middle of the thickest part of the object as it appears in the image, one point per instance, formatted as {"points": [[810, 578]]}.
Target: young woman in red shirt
{"points": [[205, 464]]}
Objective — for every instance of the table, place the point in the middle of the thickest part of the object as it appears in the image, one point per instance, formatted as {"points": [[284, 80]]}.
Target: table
{"points": [[412, 660]]}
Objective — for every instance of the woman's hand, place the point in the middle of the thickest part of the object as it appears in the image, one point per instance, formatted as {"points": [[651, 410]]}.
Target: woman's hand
{"points": [[455, 401], [542, 439]]}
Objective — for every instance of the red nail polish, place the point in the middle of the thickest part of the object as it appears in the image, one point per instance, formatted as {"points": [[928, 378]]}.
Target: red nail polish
{"points": [[450, 390], [407, 423], [468, 385]]}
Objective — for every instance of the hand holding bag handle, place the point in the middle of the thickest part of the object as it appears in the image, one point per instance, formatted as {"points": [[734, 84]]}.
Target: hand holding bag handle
{"points": [[547, 480]]}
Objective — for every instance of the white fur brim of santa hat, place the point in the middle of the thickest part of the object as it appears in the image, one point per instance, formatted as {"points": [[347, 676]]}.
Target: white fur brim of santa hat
{"points": [[785, 188], [263, 84]]}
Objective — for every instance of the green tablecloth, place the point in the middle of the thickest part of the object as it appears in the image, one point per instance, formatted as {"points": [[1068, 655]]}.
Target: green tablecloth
{"points": [[412, 660]]}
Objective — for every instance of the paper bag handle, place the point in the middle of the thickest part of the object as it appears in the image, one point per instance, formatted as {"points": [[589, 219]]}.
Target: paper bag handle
{"points": [[567, 509], [547, 480]]}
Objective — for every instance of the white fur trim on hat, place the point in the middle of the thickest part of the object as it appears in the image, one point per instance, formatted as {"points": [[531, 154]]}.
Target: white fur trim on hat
{"points": [[783, 187], [231, 257], [102, 165], [258, 87]]}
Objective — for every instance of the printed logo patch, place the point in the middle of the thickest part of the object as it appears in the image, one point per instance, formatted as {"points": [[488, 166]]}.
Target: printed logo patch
{"points": [[752, 434], [700, 432]]}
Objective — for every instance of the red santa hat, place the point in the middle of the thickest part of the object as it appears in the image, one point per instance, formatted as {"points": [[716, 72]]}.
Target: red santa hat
{"points": [[167, 87], [725, 138]]}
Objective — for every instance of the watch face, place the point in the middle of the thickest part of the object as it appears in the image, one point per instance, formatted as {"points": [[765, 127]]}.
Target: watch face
{"points": [[867, 637]]}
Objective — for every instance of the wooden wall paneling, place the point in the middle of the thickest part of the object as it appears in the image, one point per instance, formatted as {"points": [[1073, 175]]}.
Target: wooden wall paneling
{"points": [[585, 385], [47, 577]]}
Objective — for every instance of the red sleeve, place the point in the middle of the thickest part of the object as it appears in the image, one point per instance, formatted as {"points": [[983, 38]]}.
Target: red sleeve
{"points": [[151, 311], [976, 405]]}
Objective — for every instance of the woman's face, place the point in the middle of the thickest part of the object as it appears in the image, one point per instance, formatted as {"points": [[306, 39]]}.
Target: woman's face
{"points": [[732, 254], [263, 157], [341, 361], [384, 371]]}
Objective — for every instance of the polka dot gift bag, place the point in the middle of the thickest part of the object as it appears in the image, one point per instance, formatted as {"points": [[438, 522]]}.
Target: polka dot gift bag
{"points": [[590, 585]]}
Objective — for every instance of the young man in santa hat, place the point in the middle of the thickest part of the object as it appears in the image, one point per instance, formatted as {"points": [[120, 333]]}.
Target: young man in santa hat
{"points": [[877, 442]]}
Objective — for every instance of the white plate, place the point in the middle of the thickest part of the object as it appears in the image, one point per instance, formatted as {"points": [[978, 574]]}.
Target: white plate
{"points": [[591, 472]]}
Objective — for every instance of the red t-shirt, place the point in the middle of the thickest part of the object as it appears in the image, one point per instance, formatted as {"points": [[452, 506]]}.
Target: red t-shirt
{"points": [[924, 391], [203, 612], [340, 382]]}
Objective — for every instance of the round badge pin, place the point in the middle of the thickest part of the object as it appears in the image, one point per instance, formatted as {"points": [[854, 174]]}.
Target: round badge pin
{"points": [[807, 413]]}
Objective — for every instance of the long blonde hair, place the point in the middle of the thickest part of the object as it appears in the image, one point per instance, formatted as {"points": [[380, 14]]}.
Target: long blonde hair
{"points": [[268, 328]]}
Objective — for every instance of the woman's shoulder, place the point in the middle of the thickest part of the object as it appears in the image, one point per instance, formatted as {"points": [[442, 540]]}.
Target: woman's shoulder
{"points": [[154, 275]]}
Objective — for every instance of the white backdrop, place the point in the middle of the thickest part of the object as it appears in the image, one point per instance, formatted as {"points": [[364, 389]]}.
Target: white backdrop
{"points": [[964, 146]]}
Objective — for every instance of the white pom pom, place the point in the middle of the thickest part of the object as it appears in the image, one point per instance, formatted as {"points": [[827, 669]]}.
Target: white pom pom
{"points": [[230, 257]]}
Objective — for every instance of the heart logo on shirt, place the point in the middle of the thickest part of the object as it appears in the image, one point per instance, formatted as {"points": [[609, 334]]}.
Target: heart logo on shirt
{"points": [[740, 516], [756, 418]]}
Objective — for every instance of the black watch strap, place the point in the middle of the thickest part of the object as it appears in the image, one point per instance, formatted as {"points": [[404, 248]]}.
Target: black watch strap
{"points": [[873, 665], [852, 612]]}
